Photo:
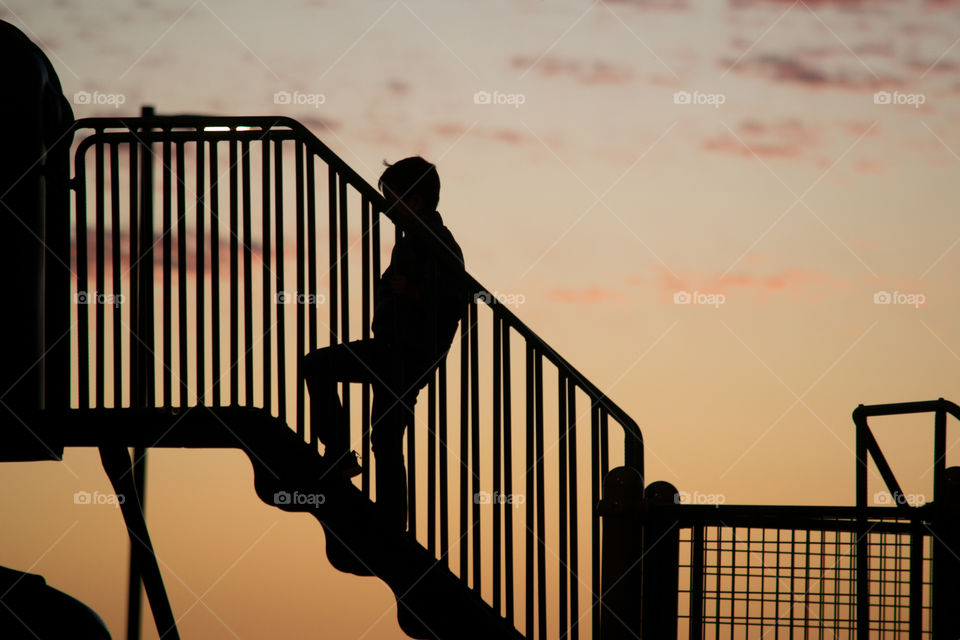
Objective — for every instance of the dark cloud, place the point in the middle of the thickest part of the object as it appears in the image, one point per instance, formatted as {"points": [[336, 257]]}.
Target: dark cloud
{"points": [[793, 69]]}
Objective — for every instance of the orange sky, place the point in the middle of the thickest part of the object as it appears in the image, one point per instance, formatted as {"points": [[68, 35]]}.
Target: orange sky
{"points": [[596, 200]]}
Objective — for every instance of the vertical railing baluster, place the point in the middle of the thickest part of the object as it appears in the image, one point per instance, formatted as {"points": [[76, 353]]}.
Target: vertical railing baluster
{"points": [[246, 216], [375, 243], [313, 309], [697, 543], [375, 277], [530, 494], [464, 444], [411, 482], [604, 444], [497, 445], [507, 470], [344, 263], [166, 229], [562, 559], [141, 250], [477, 531], [333, 273], [200, 271], [431, 466], [97, 298], [280, 304], [182, 332], [138, 352], [81, 298], [541, 507], [574, 562], [266, 276], [366, 295], [117, 292], [234, 278], [301, 289], [596, 480], [443, 464], [215, 345]]}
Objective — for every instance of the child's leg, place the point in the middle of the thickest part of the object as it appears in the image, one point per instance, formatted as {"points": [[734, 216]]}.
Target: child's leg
{"points": [[355, 361]]}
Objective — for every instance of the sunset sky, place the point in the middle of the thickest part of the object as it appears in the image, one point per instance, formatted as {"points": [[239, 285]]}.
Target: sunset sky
{"points": [[787, 164]]}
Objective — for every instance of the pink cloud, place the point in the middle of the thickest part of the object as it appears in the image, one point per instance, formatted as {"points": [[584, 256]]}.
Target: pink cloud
{"points": [[509, 136], [798, 283], [595, 72], [591, 295], [783, 139], [676, 5]]}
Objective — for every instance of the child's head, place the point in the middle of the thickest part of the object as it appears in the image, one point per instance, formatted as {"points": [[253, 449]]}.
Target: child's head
{"points": [[412, 181]]}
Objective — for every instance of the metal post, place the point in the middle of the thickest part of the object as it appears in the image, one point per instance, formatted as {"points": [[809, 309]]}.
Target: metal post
{"points": [[946, 557], [661, 553], [142, 385], [622, 549]]}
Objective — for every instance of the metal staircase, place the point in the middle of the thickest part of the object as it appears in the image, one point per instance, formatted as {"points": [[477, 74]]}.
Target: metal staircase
{"points": [[195, 260]]}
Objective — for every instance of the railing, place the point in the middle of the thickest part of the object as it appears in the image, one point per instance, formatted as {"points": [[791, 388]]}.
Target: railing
{"points": [[795, 572], [203, 251], [857, 572]]}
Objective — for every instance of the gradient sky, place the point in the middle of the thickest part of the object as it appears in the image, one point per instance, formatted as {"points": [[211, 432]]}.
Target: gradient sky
{"points": [[597, 200]]}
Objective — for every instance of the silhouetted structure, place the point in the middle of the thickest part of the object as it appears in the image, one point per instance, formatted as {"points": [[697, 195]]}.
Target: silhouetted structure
{"points": [[34, 157], [475, 561]]}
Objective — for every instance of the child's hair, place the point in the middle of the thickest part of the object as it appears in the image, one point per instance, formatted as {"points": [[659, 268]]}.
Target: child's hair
{"points": [[413, 175]]}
